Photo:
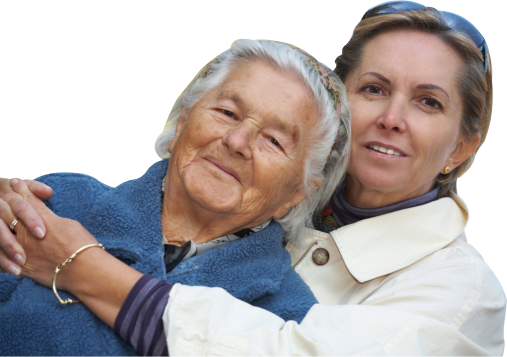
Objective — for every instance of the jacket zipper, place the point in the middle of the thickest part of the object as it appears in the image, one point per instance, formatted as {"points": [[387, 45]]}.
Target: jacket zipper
{"points": [[304, 255]]}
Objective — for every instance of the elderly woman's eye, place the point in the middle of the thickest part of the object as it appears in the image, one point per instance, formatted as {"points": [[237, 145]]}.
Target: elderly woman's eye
{"points": [[432, 103], [228, 113], [274, 142]]}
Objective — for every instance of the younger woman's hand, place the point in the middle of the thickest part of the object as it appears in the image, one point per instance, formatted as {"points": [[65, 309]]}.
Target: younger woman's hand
{"points": [[13, 206], [63, 237]]}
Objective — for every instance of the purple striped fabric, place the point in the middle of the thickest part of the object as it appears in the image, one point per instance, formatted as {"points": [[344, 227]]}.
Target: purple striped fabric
{"points": [[139, 321]]}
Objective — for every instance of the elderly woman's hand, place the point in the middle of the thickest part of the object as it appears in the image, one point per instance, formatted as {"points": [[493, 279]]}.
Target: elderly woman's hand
{"points": [[63, 237], [12, 207]]}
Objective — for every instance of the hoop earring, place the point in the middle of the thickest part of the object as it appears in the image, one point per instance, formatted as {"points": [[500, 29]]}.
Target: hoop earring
{"points": [[447, 170]]}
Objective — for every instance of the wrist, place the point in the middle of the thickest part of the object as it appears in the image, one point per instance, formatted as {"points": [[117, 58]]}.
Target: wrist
{"points": [[75, 277], [96, 276], [100, 281]]}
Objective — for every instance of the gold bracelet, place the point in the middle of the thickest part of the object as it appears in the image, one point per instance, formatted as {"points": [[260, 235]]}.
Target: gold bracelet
{"points": [[59, 267]]}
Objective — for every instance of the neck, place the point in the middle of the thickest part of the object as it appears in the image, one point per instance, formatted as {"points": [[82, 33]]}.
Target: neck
{"points": [[361, 196], [183, 219]]}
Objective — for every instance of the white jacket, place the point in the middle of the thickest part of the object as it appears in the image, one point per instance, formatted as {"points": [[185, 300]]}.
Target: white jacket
{"points": [[405, 283]]}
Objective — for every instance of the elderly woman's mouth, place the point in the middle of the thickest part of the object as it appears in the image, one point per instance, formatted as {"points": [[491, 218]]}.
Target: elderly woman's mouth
{"points": [[222, 168]]}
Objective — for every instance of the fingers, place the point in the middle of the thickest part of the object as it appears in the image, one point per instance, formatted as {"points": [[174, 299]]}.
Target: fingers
{"points": [[22, 188], [12, 255], [4, 185], [39, 189], [6, 213], [17, 207]]}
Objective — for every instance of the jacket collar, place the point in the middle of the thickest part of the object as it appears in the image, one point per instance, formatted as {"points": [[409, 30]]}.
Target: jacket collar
{"points": [[381, 245], [248, 268], [126, 219]]}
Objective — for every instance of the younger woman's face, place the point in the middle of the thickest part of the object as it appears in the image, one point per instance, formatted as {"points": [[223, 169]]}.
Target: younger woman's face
{"points": [[406, 113]]}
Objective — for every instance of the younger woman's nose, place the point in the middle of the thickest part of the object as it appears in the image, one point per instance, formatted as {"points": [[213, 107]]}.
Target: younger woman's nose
{"points": [[393, 118]]}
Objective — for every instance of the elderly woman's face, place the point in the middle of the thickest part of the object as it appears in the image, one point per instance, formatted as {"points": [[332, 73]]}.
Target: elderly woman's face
{"points": [[242, 148], [406, 113]]}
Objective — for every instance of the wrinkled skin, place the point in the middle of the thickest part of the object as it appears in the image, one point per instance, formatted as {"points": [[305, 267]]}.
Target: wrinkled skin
{"points": [[237, 159]]}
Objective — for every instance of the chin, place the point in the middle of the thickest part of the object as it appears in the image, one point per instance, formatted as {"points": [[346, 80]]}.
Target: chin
{"points": [[211, 189], [379, 180], [215, 198]]}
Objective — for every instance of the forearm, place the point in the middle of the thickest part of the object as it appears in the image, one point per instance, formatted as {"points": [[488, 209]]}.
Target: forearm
{"points": [[100, 281], [209, 321], [125, 299], [112, 290], [139, 322]]}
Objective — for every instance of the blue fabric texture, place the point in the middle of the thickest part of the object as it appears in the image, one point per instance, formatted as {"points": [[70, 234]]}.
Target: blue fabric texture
{"points": [[126, 219]]}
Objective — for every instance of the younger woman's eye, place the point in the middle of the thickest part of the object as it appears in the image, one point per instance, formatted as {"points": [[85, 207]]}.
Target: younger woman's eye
{"points": [[372, 89], [432, 103]]}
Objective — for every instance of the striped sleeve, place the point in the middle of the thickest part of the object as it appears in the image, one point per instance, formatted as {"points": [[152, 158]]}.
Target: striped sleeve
{"points": [[139, 321]]}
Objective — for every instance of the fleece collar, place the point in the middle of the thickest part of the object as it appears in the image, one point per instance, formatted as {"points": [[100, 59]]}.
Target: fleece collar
{"points": [[126, 219], [248, 268]]}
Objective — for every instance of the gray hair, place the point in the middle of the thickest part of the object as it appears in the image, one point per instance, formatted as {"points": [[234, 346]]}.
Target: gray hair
{"points": [[328, 155]]}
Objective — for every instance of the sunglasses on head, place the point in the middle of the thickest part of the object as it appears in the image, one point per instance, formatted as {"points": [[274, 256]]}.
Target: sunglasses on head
{"points": [[453, 22]]}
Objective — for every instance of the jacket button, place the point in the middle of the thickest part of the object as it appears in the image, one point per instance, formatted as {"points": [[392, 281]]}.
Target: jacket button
{"points": [[320, 256]]}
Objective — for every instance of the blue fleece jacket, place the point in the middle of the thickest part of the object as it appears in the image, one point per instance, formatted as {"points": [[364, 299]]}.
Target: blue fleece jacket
{"points": [[126, 219]]}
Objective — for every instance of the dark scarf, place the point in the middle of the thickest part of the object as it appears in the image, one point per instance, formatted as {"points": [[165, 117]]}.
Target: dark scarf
{"points": [[340, 213]]}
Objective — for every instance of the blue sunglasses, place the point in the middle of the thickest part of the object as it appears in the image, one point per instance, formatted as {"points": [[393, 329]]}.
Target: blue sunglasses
{"points": [[453, 22]]}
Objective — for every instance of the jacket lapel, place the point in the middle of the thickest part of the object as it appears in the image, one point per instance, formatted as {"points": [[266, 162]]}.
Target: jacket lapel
{"points": [[248, 268], [127, 221], [381, 245]]}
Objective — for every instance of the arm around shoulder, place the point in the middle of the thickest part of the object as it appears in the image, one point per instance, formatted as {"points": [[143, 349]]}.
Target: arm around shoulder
{"points": [[449, 303]]}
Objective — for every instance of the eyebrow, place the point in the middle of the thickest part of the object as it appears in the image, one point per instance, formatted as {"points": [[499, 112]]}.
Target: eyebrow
{"points": [[234, 97], [278, 123], [420, 86], [432, 86], [378, 75]]}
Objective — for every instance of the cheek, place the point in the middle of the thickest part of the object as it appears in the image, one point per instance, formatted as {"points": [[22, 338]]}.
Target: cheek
{"points": [[361, 120], [435, 142], [268, 178], [199, 134], [201, 131], [434, 159], [278, 176], [360, 126]]}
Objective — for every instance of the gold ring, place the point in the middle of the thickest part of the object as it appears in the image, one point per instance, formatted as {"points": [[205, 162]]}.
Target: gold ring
{"points": [[13, 224]]}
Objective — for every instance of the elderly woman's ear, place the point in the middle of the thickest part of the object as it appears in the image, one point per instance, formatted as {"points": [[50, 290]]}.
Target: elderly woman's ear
{"points": [[296, 199], [463, 150], [181, 120]]}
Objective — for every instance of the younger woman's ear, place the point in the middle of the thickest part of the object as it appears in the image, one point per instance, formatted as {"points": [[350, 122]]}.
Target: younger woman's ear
{"points": [[464, 149]]}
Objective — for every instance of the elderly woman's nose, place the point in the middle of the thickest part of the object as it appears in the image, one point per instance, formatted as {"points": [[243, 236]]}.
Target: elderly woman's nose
{"points": [[237, 141], [393, 117]]}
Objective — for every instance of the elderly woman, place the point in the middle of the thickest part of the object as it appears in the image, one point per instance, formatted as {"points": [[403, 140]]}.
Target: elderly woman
{"points": [[389, 264], [251, 142]]}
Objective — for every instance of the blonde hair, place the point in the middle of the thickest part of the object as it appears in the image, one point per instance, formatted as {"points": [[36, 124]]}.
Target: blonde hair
{"points": [[474, 84]]}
